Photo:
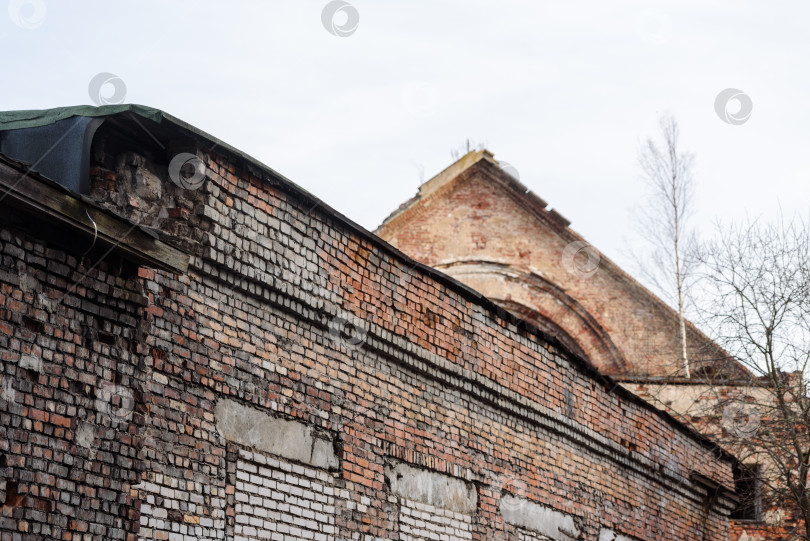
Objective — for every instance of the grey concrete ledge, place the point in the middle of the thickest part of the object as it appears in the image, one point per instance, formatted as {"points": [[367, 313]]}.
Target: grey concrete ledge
{"points": [[431, 488], [267, 433]]}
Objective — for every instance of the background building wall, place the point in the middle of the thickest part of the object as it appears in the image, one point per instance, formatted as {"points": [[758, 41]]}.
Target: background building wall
{"points": [[479, 225]]}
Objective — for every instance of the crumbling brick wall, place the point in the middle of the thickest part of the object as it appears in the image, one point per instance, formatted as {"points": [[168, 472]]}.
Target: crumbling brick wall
{"points": [[71, 402], [297, 343]]}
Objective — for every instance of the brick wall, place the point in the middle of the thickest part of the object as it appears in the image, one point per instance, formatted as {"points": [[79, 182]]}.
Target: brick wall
{"points": [[277, 499], [277, 277], [71, 402], [355, 358], [418, 522]]}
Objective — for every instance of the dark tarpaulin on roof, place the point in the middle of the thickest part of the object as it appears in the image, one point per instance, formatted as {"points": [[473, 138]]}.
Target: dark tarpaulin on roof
{"points": [[16, 120]]}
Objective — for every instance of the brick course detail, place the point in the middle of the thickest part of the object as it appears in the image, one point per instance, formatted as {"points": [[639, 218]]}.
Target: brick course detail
{"points": [[422, 522], [282, 501]]}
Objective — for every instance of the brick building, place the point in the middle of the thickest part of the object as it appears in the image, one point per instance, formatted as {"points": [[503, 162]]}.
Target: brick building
{"points": [[193, 347], [480, 225]]}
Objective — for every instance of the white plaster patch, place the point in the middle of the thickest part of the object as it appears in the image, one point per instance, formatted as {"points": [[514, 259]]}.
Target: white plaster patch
{"points": [[432, 488], [531, 516], [609, 535]]}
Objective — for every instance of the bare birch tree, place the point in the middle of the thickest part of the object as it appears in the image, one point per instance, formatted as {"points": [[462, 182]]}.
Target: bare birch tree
{"points": [[667, 172]]}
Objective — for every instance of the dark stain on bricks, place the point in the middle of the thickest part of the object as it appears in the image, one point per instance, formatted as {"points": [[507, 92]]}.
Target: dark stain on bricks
{"points": [[32, 324], [13, 497], [107, 338]]}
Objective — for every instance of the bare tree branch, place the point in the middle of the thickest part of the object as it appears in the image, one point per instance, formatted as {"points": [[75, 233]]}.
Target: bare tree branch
{"points": [[754, 289]]}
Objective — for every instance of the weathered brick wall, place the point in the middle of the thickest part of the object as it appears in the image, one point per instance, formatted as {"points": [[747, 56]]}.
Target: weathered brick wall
{"points": [[432, 378], [344, 360], [732, 415], [71, 402]]}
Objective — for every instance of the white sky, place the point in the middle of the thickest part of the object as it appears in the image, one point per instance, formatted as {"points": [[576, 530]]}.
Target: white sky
{"points": [[564, 91]]}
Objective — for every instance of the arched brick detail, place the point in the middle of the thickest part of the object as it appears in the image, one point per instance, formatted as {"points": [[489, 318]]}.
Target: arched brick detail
{"points": [[545, 305]]}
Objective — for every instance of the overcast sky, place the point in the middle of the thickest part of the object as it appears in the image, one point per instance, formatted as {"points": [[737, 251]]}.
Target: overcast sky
{"points": [[563, 91]]}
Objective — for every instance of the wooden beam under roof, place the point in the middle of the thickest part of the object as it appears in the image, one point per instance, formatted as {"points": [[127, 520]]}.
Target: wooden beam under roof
{"points": [[30, 193]]}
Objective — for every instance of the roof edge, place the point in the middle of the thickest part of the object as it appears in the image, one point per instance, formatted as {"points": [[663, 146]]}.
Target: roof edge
{"points": [[451, 172]]}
